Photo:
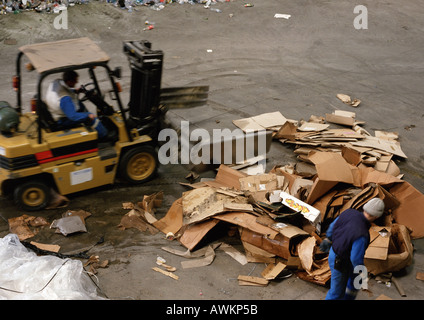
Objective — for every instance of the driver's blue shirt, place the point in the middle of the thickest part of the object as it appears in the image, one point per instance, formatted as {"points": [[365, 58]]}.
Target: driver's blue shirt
{"points": [[68, 107]]}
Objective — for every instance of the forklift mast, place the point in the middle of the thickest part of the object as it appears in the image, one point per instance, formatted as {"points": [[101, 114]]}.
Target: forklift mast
{"points": [[146, 74]]}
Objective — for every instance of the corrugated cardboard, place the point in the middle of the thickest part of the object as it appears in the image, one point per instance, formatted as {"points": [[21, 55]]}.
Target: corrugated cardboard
{"points": [[309, 212], [333, 167], [173, 220], [247, 220], [339, 119], [226, 177], [397, 260], [195, 232], [409, 212], [279, 246], [260, 182], [392, 147], [287, 131], [261, 122], [379, 243]]}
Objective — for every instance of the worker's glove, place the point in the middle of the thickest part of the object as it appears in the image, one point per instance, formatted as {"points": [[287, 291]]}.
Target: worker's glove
{"points": [[325, 245]]}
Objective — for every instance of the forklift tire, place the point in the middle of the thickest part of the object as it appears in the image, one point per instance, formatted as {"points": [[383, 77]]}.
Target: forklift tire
{"points": [[139, 164], [32, 195]]}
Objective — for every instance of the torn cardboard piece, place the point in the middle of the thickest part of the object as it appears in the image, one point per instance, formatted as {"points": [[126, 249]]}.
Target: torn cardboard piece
{"points": [[257, 255], [409, 212], [135, 219], [263, 121], [187, 254], [195, 232], [94, 263], [26, 226], [389, 146], [226, 177], [348, 100], [166, 273], [207, 260], [306, 253], [280, 246], [262, 182], [46, 247], [379, 243], [286, 132], [202, 203], [341, 117], [151, 202], [173, 220], [234, 253], [313, 126], [252, 281], [248, 221], [273, 270], [333, 167]]}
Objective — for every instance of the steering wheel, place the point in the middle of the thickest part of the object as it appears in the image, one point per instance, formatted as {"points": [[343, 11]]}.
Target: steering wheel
{"points": [[87, 91]]}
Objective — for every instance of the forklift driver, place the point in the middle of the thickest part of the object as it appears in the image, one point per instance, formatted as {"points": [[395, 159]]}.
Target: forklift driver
{"points": [[62, 101]]}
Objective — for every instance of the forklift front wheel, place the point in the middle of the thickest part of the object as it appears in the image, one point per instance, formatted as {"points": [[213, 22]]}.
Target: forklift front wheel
{"points": [[139, 164], [32, 196]]}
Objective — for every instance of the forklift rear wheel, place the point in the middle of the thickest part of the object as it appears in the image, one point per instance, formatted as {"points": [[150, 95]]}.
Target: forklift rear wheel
{"points": [[139, 164], [32, 195]]}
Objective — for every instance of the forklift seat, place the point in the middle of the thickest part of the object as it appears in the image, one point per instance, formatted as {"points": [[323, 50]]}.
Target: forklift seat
{"points": [[46, 119]]}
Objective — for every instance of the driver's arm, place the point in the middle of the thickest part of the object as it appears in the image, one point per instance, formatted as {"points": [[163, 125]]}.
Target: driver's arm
{"points": [[68, 107]]}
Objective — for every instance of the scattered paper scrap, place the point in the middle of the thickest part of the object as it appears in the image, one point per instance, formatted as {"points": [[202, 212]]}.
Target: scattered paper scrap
{"points": [[94, 263], [347, 99], [166, 273], [282, 15], [162, 262]]}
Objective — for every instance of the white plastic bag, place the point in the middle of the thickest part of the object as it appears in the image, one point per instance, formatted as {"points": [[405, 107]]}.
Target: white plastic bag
{"points": [[24, 275]]}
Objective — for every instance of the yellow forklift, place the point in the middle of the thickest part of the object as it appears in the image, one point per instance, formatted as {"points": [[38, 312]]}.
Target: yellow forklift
{"points": [[37, 155]]}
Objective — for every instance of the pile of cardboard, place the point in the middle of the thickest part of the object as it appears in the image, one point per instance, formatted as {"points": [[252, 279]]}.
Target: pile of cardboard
{"points": [[235, 199], [281, 216]]}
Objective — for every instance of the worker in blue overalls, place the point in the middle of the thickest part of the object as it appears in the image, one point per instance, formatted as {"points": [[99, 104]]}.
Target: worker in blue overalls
{"points": [[347, 239]]}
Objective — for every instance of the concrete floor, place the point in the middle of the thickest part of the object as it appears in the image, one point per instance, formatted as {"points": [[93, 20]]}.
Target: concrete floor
{"points": [[253, 63]]}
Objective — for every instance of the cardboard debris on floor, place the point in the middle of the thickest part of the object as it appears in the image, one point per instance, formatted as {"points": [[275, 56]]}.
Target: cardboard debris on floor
{"points": [[142, 215], [26, 226], [94, 263], [281, 216], [348, 100]]}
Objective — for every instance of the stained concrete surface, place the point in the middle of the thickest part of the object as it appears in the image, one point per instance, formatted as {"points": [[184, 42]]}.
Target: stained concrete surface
{"points": [[253, 63]]}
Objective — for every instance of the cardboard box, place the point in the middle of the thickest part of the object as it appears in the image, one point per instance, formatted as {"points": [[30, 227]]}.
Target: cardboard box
{"points": [[309, 212], [399, 251], [379, 243], [409, 212]]}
